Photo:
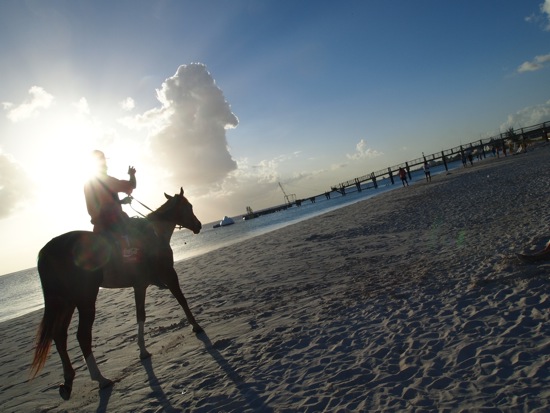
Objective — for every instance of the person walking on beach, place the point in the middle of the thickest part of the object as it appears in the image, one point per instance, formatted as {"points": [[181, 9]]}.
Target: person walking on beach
{"points": [[403, 176], [101, 192], [471, 158], [427, 172]]}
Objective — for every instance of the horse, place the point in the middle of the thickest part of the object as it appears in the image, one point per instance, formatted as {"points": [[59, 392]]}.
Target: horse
{"points": [[74, 265]]}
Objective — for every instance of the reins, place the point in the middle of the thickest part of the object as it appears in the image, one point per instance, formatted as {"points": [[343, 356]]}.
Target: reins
{"points": [[142, 204], [145, 206]]}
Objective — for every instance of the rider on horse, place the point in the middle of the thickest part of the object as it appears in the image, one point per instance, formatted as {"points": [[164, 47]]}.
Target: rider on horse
{"points": [[102, 200], [108, 218]]}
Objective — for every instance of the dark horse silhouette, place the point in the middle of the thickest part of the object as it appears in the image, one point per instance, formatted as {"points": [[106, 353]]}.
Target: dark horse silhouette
{"points": [[74, 265]]}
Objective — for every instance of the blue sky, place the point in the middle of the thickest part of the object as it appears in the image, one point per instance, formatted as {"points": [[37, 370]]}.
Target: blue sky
{"points": [[228, 98]]}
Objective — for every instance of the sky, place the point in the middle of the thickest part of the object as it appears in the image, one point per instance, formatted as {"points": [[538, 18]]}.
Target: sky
{"points": [[228, 98]]}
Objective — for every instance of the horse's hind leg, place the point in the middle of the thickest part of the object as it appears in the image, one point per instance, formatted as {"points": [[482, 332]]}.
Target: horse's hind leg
{"points": [[60, 340], [86, 313]]}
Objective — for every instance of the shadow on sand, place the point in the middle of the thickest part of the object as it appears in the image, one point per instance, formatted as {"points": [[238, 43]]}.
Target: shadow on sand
{"points": [[248, 393], [104, 396], [163, 402], [156, 387]]}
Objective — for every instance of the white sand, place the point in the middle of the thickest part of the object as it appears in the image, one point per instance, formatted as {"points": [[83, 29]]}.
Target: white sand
{"points": [[411, 301]]}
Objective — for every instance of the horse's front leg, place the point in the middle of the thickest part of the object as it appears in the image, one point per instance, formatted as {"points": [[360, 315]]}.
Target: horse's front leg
{"points": [[139, 294], [173, 284]]}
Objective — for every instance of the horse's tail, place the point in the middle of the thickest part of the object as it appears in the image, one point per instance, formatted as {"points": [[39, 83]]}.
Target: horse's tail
{"points": [[54, 312], [55, 306], [43, 344]]}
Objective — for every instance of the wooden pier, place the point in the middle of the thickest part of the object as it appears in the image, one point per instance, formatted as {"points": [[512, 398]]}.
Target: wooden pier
{"points": [[478, 148], [499, 144]]}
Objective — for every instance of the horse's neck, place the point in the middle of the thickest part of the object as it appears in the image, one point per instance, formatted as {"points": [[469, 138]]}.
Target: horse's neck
{"points": [[164, 231]]}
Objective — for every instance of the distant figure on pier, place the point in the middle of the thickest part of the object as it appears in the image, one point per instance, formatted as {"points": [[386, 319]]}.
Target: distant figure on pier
{"points": [[403, 176], [327, 195], [464, 160], [471, 158], [427, 172]]}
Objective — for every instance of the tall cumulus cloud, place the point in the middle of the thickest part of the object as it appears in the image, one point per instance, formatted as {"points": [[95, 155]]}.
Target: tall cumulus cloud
{"points": [[192, 146]]}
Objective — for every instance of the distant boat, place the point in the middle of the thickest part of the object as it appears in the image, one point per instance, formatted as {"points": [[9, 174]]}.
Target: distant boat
{"points": [[225, 222]]}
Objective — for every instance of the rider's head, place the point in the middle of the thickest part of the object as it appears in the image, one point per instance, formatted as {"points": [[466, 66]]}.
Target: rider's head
{"points": [[99, 161]]}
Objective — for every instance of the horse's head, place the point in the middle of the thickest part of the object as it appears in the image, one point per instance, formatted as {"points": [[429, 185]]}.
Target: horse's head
{"points": [[179, 211]]}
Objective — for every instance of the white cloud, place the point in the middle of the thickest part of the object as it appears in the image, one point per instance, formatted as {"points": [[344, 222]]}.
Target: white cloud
{"points": [[265, 171], [536, 64], [542, 18], [128, 104], [336, 166], [363, 152], [15, 185], [528, 116], [82, 106], [545, 8], [255, 182], [40, 99], [153, 120]]}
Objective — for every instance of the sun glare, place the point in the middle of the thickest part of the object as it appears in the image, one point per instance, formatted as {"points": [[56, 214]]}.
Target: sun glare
{"points": [[62, 165]]}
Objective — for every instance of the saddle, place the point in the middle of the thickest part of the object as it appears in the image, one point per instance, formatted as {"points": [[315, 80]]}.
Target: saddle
{"points": [[123, 248], [129, 249], [129, 252], [131, 255]]}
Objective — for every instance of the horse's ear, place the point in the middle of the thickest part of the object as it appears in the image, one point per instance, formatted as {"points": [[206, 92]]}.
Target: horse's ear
{"points": [[181, 191], [167, 196]]}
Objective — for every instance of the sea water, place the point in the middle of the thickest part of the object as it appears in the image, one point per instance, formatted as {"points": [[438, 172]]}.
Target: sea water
{"points": [[21, 292]]}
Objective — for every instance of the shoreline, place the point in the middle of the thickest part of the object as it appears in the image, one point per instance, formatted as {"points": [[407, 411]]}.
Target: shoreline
{"points": [[411, 299], [183, 252]]}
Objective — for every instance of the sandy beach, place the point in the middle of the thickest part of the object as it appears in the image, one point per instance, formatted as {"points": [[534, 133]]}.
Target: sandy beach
{"points": [[411, 301]]}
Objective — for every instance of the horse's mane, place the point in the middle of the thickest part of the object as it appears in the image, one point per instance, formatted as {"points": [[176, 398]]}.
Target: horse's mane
{"points": [[142, 225], [166, 208]]}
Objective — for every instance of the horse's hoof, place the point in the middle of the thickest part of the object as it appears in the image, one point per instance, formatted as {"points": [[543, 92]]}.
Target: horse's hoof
{"points": [[65, 391], [144, 355], [197, 329]]}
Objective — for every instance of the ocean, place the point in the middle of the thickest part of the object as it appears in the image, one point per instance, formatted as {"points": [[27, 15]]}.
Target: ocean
{"points": [[21, 292]]}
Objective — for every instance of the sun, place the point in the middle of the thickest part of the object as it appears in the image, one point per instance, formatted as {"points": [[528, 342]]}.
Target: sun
{"points": [[62, 164]]}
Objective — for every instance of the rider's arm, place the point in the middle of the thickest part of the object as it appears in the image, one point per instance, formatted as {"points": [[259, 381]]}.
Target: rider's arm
{"points": [[119, 185]]}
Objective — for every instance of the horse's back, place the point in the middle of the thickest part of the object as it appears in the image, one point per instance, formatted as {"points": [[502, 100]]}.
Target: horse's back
{"points": [[75, 250], [81, 254]]}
